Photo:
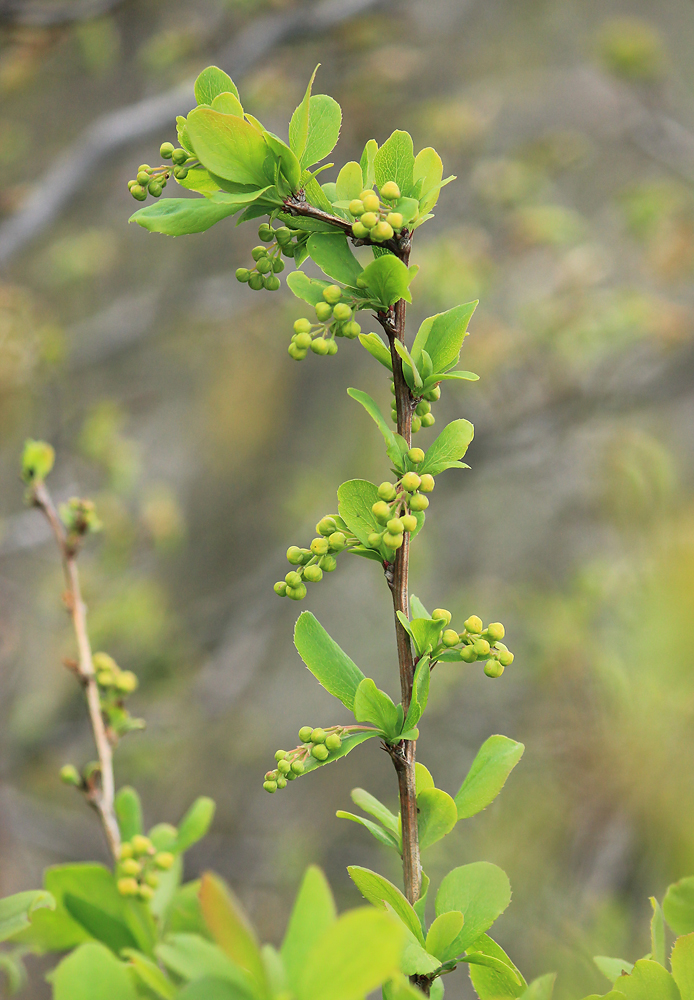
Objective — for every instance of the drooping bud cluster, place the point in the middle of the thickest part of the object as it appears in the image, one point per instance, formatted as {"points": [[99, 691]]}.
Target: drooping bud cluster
{"points": [[321, 744], [114, 687], [152, 180], [268, 259], [334, 318], [422, 416], [139, 865], [398, 504], [321, 557], [474, 643], [374, 216]]}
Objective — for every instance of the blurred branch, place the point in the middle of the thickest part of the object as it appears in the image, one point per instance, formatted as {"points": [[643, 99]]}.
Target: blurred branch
{"points": [[53, 15], [109, 133]]}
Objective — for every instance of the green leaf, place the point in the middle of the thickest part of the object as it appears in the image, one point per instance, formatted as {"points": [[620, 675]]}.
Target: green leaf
{"points": [[150, 975], [306, 225], [442, 336], [421, 904], [437, 817], [418, 609], [228, 146], [315, 196], [381, 835], [368, 170], [392, 450], [495, 760], [420, 692], [298, 126], [350, 182], [494, 982], [291, 168], [324, 121], [14, 971], [306, 288], [657, 932], [429, 169], [91, 972], [314, 907], [370, 804], [612, 968], [209, 988], [57, 930], [195, 824], [327, 662], [410, 370], [356, 498], [388, 280], [648, 981], [211, 82], [191, 957], [379, 891], [423, 778], [353, 956], [678, 906], [185, 216], [481, 891], [612, 995], [448, 448], [110, 930], [682, 962], [541, 988], [228, 104], [16, 912], [442, 933], [348, 744], [395, 160], [333, 256], [230, 927], [426, 632], [184, 915], [376, 347], [375, 706], [128, 812], [199, 180], [449, 376]]}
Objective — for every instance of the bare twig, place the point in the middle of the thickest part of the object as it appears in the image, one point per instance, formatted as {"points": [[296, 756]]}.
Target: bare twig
{"points": [[101, 796]]}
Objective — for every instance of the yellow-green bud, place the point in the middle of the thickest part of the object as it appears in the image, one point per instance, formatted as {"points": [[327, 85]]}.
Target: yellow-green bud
{"points": [[450, 638], [130, 866], [395, 220], [326, 526], [493, 668], [427, 484], [128, 886], [381, 511], [356, 207], [387, 491], [332, 294], [441, 615], [390, 191], [418, 502], [142, 844], [360, 231], [69, 775], [474, 625], [37, 461], [125, 851], [320, 751], [468, 654], [409, 522], [415, 455], [382, 231], [506, 657], [495, 631], [126, 681], [392, 541], [333, 742], [371, 203], [410, 482], [369, 220], [320, 546], [318, 735], [481, 647], [164, 860], [145, 892], [305, 734]]}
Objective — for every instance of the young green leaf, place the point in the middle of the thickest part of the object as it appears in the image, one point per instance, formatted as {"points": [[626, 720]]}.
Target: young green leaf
{"points": [[370, 804], [410, 370], [333, 256], [394, 161], [327, 662], [612, 968], [185, 216], [541, 988], [199, 180], [314, 907], [648, 981], [375, 706], [382, 836], [356, 498], [392, 449], [379, 891], [420, 692], [209, 988], [682, 962], [56, 929], [425, 632], [657, 933], [128, 812], [228, 146], [306, 288], [437, 816], [418, 609], [150, 975], [442, 933], [678, 906], [228, 103], [423, 778], [495, 760], [230, 927], [387, 280], [368, 170], [481, 891], [495, 981], [351, 957], [16, 912], [448, 448], [211, 82], [442, 336], [290, 166], [192, 957], [377, 349], [195, 824], [324, 122], [350, 182], [298, 126], [92, 972], [110, 930]]}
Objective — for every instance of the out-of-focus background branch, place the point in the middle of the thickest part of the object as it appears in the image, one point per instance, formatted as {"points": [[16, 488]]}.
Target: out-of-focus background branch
{"points": [[166, 388]]}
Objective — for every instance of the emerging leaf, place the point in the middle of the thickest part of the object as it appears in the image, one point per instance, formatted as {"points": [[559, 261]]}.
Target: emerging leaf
{"points": [[442, 336], [333, 256], [375, 706], [211, 82], [128, 812], [682, 962], [379, 891], [495, 760], [184, 216], [541, 988], [92, 972], [298, 126], [678, 906], [494, 981], [329, 664], [16, 911], [481, 891], [437, 817], [382, 836], [387, 280], [448, 448], [228, 146], [648, 981], [314, 906], [356, 498], [442, 933], [612, 968], [394, 161], [393, 450]]}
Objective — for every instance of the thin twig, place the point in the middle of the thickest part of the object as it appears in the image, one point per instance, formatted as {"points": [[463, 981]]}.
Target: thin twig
{"points": [[102, 795]]}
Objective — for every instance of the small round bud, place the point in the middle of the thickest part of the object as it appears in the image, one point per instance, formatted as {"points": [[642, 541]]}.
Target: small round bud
{"points": [[360, 232], [141, 844], [297, 593], [294, 555], [255, 281], [280, 754], [337, 541], [409, 522], [314, 574], [138, 192], [326, 525], [474, 625], [428, 420], [180, 173], [280, 588], [382, 231], [495, 631], [303, 341], [258, 253], [277, 265], [130, 866], [319, 346], [302, 325], [320, 751], [395, 220], [270, 786], [356, 207], [468, 654], [155, 189], [164, 860], [69, 775], [433, 394], [297, 767], [266, 233], [493, 668], [366, 193], [126, 681], [179, 156], [351, 330], [333, 742], [395, 526], [374, 539], [283, 235], [328, 563], [293, 579], [392, 541], [418, 502], [283, 766], [143, 177], [410, 482], [342, 312], [381, 511], [332, 348], [152, 879], [271, 282], [242, 274], [263, 266], [427, 484], [506, 657], [323, 311], [144, 167], [369, 220], [288, 250], [305, 734], [387, 491], [128, 886], [423, 406], [332, 294], [415, 455], [320, 546], [440, 614], [416, 424], [166, 150], [371, 204], [125, 851], [294, 352], [481, 647], [318, 735], [450, 638], [390, 191], [282, 781]]}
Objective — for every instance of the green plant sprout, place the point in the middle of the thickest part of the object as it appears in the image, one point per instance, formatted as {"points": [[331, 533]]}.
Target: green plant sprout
{"points": [[136, 932]]}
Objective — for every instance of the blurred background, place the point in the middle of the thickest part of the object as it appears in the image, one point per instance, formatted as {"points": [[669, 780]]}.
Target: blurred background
{"points": [[167, 391]]}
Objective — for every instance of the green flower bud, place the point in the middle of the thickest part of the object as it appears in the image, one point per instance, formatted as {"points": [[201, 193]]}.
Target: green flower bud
{"points": [[127, 886], [440, 614], [179, 156], [410, 482], [387, 491], [297, 765], [105, 678], [293, 579], [280, 588], [141, 844], [125, 851], [394, 415], [314, 574], [392, 541], [395, 526], [468, 654], [302, 325], [144, 166], [495, 631], [493, 668], [332, 347], [415, 455], [131, 185], [277, 264], [423, 406], [390, 191], [283, 766], [360, 232], [333, 742], [328, 563], [263, 265], [418, 502], [506, 657], [433, 394], [270, 786], [283, 235], [381, 511], [164, 860], [409, 522], [69, 775], [271, 282], [259, 253], [296, 353], [306, 556], [474, 625], [152, 879], [374, 539], [450, 638], [180, 173], [332, 294], [126, 681], [416, 424], [288, 250], [428, 420], [155, 189], [305, 734], [166, 150], [481, 647], [320, 751], [242, 274], [382, 231], [318, 735], [342, 311], [143, 177], [266, 233], [282, 782], [297, 593], [130, 866], [427, 484], [326, 526], [255, 281], [319, 346], [138, 192], [371, 203], [337, 541], [294, 555], [395, 220], [351, 330], [368, 220], [356, 207], [323, 311], [280, 754], [366, 193]]}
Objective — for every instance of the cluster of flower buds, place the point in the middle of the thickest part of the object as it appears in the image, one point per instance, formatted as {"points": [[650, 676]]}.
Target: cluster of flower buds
{"points": [[373, 218], [422, 416], [311, 563], [80, 519], [268, 259], [152, 180], [114, 687], [398, 504], [335, 318], [139, 865], [474, 643], [320, 744]]}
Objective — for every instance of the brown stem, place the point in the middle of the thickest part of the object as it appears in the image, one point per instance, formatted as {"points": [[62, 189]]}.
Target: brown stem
{"points": [[102, 797]]}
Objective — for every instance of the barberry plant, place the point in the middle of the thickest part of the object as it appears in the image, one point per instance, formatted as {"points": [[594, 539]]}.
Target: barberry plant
{"points": [[134, 930]]}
